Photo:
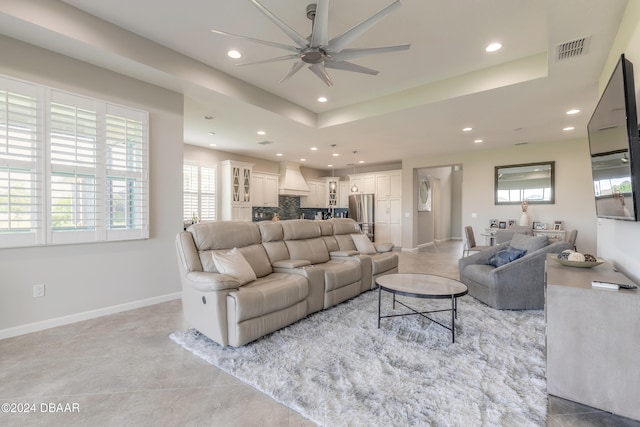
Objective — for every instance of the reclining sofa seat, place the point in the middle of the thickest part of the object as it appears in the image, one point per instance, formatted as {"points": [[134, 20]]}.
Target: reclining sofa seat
{"points": [[304, 243], [217, 306], [341, 245], [517, 285]]}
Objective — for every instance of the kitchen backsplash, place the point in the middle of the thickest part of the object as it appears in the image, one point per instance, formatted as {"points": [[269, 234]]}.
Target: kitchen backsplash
{"points": [[290, 209]]}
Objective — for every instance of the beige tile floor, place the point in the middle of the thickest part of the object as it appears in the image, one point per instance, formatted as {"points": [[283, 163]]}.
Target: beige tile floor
{"points": [[122, 370]]}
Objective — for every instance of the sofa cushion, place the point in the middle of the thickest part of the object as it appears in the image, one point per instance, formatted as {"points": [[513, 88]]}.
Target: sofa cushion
{"points": [[505, 256], [363, 244], [313, 250], [528, 243], [233, 264]]}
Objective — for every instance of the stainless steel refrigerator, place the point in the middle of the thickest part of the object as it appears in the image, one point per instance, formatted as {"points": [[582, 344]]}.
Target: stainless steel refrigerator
{"points": [[361, 209]]}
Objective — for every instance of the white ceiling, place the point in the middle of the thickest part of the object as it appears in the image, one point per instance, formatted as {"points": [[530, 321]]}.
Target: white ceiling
{"points": [[416, 106]]}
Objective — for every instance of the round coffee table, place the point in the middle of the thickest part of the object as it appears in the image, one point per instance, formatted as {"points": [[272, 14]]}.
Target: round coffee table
{"points": [[422, 286]]}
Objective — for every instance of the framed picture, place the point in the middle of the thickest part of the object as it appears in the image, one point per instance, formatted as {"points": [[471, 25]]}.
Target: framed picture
{"points": [[557, 226], [512, 222], [539, 225], [493, 223], [502, 224]]}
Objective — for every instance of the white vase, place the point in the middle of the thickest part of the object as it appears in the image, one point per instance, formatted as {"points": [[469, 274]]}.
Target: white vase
{"points": [[524, 219]]}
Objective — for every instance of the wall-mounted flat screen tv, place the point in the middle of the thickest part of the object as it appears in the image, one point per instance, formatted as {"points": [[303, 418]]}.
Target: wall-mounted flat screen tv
{"points": [[614, 144]]}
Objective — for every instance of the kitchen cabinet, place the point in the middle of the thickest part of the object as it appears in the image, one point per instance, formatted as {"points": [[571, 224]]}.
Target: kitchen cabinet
{"points": [[344, 189], [366, 183], [264, 189], [317, 197], [332, 192], [388, 220], [235, 190]]}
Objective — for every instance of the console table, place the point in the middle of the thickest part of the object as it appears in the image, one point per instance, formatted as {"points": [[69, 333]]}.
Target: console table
{"points": [[593, 338], [552, 235]]}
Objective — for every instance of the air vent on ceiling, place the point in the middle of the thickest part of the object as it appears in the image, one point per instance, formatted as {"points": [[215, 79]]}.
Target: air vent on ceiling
{"points": [[572, 48], [265, 142]]}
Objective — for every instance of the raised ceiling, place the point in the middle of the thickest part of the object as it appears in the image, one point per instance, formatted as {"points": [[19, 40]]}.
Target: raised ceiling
{"points": [[416, 106]]}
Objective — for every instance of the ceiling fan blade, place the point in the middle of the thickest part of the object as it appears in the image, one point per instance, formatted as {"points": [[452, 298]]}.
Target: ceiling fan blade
{"points": [[318, 70], [348, 66], [251, 39], [320, 33], [294, 69], [266, 61], [293, 35], [347, 54], [340, 42]]}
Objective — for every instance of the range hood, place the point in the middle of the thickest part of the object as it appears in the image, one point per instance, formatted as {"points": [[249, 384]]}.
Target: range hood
{"points": [[292, 182]]}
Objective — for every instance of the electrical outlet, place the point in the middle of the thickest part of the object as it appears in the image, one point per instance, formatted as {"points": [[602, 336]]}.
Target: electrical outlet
{"points": [[38, 290]]}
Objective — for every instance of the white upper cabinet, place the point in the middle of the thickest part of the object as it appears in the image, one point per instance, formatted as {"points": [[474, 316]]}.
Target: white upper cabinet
{"points": [[264, 189]]}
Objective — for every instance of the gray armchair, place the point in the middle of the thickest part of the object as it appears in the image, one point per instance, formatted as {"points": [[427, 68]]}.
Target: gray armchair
{"points": [[518, 285]]}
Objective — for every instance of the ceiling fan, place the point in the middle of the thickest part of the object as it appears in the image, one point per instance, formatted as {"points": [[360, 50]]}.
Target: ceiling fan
{"points": [[318, 50]]}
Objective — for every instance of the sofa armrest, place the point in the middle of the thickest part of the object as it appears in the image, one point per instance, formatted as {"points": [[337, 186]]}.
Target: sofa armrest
{"points": [[480, 257], [209, 282], [291, 263], [341, 254]]}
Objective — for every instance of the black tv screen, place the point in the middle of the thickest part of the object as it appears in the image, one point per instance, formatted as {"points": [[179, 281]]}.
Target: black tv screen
{"points": [[614, 144]]}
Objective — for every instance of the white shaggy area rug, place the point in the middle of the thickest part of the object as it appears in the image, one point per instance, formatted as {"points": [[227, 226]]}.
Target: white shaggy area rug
{"points": [[336, 368]]}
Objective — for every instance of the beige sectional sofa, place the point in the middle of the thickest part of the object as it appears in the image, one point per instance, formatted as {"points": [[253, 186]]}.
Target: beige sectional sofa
{"points": [[300, 267]]}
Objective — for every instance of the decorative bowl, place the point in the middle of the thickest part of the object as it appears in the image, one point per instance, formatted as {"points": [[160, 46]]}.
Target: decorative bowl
{"points": [[583, 264]]}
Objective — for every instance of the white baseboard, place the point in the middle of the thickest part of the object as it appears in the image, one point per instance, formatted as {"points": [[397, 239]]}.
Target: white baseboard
{"points": [[86, 315]]}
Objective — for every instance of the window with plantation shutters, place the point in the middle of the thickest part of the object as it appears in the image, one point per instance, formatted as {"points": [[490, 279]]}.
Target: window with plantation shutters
{"points": [[72, 169], [21, 222], [199, 193]]}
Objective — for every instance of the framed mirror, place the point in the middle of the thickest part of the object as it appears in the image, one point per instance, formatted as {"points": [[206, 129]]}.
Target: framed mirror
{"points": [[533, 182]]}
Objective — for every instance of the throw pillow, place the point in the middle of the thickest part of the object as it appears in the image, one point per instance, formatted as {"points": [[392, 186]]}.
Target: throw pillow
{"points": [[383, 247], [233, 264], [505, 256], [363, 244]]}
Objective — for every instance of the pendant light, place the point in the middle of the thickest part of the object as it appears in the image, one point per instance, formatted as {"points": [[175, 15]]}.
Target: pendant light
{"points": [[354, 187]]}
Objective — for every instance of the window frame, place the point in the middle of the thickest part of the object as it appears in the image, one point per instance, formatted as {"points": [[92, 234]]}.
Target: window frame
{"points": [[70, 148], [198, 196]]}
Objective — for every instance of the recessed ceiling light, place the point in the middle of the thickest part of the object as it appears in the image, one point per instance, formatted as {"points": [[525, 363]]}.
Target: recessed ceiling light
{"points": [[335, 154], [478, 141], [279, 154], [212, 145], [493, 47], [467, 129], [573, 111], [211, 133], [314, 148], [234, 54], [568, 128], [360, 161], [303, 160], [322, 99], [261, 132], [329, 166]]}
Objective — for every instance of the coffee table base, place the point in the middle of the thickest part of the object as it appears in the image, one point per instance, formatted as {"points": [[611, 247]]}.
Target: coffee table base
{"points": [[453, 310]]}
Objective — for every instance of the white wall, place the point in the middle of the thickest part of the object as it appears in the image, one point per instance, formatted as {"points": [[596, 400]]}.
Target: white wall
{"points": [[618, 241], [574, 204], [86, 280]]}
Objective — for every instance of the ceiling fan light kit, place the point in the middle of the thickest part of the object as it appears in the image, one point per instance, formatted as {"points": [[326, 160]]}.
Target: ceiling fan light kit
{"points": [[317, 51]]}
